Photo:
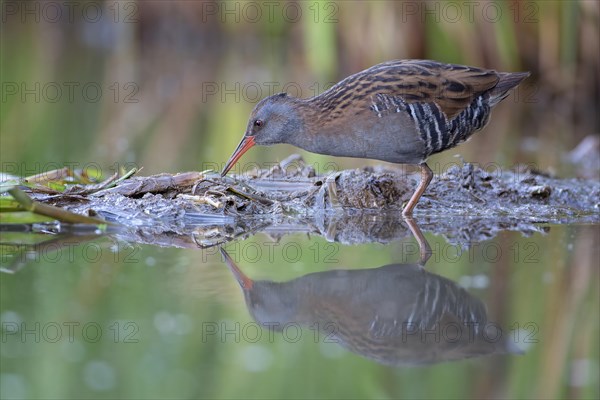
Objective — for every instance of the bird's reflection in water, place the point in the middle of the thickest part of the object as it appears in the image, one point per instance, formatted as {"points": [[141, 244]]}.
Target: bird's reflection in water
{"points": [[398, 314]]}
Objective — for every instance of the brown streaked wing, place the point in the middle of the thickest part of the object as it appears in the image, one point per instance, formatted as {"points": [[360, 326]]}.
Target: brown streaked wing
{"points": [[451, 87]]}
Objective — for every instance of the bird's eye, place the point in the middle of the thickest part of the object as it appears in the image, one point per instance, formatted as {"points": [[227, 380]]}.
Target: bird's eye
{"points": [[258, 123]]}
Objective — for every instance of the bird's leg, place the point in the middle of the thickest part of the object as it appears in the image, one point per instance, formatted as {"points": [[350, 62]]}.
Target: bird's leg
{"points": [[424, 248], [426, 176]]}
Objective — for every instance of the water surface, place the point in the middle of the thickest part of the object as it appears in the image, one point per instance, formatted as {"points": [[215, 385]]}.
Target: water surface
{"points": [[295, 315]]}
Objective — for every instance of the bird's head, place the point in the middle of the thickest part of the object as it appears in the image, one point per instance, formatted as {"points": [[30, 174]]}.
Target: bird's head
{"points": [[273, 120]]}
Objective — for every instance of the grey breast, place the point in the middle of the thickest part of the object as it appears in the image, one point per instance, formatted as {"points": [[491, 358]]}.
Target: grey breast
{"points": [[403, 135]]}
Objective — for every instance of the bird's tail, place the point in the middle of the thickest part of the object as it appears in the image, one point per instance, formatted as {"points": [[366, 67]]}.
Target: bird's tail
{"points": [[508, 80]]}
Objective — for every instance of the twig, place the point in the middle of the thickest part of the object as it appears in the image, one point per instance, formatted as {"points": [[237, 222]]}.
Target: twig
{"points": [[248, 196], [51, 211]]}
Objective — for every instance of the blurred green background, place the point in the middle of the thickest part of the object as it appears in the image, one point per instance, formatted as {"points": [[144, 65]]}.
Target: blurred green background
{"points": [[169, 85]]}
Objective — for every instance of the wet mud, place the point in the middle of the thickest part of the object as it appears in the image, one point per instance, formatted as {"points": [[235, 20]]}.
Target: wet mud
{"points": [[465, 204]]}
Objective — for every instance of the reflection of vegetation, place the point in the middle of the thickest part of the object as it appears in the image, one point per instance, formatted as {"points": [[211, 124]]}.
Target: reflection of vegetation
{"points": [[21, 248], [171, 293]]}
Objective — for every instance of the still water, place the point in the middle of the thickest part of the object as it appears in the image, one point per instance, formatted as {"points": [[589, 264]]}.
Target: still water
{"points": [[295, 315]]}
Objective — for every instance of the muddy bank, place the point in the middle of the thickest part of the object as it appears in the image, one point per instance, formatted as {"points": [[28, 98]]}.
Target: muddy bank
{"points": [[465, 204]]}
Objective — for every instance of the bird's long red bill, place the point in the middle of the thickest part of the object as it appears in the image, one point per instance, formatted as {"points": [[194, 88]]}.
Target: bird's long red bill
{"points": [[245, 144]]}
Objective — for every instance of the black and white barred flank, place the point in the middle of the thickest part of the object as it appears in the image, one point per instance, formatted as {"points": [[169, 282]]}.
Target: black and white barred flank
{"points": [[437, 131]]}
